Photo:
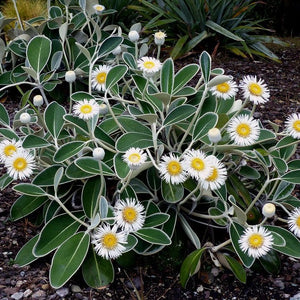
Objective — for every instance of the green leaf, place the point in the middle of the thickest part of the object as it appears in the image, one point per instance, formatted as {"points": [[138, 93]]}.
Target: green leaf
{"points": [[103, 207], [172, 193], [153, 236], [249, 172], [205, 64], [179, 114], [114, 75], [131, 125], [271, 262], [56, 232], [167, 76], [68, 150], [120, 166], [184, 75], [204, 124], [177, 49], [46, 177], [189, 231], [25, 256], [38, 52], [4, 117], [236, 268], [91, 165], [54, 118], [108, 45], [57, 178], [8, 133], [33, 141], [29, 189], [97, 271], [292, 177], [25, 205], [129, 60], [283, 190], [134, 139], [74, 172], [156, 220], [190, 266], [5, 180], [80, 96], [68, 258]]}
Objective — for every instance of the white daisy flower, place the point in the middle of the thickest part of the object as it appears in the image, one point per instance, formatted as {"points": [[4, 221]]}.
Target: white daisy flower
{"points": [[218, 175], [225, 90], [196, 164], [171, 169], [294, 222], [159, 38], [256, 241], [98, 9], [109, 243], [130, 214], [255, 90], [149, 65], [243, 130], [293, 125], [8, 148], [134, 157], [99, 77], [86, 109], [20, 165]]}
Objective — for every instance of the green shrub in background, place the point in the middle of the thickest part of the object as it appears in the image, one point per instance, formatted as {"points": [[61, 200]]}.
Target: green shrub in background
{"points": [[229, 23]]}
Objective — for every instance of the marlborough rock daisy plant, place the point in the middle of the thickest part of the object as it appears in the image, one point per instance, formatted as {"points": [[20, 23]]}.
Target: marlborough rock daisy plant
{"points": [[143, 150]]}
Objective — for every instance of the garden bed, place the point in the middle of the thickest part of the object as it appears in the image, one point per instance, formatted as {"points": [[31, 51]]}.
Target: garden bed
{"points": [[156, 278]]}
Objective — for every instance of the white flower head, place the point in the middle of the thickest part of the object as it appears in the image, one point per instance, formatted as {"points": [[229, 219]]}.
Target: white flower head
{"points": [[293, 125], [218, 175], [70, 76], [38, 100], [117, 50], [108, 243], [98, 9], [99, 77], [20, 165], [225, 90], [255, 90], [159, 38], [133, 36], [196, 164], [256, 241], [214, 135], [149, 65], [243, 130], [98, 153], [171, 169], [130, 214], [269, 210], [134, 157], [294, 221], [86, 109], [8, 148], [25, 118]]}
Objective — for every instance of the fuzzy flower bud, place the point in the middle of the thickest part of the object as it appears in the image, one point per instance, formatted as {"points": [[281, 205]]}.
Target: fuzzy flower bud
{"points": [[117, 51], [214, 135], [269, 210], [103, 109], [70, 76], [159, 38], [133, 35], [98, 9], [25, 118], [38, 100], [98, 153]]}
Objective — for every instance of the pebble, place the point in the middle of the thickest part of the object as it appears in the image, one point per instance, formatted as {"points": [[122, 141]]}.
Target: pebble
{"points": [[295, 297], [63, 292], [27, 293], [17, 296], [296, 266], [38, 294], [279, 283], [45, 286], [75, 288]]}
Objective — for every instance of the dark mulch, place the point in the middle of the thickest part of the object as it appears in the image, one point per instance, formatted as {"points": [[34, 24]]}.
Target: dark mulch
{"points": [[155, 279]]}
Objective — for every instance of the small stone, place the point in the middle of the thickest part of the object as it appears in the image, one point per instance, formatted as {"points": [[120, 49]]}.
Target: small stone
{"points": [[19, 283], [38, 294], [279, 283], [296, 266], [200, 289], [45, 286], [295, 297], [63, 292], [215, 271], [17, 296], [75, 288], [22, 273], [27, 293]]}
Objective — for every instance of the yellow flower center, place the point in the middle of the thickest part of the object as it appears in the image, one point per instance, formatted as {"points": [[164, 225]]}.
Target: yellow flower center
{"points": [[9, 150], [109, 240], [296, 125], [255, 89], [255, 240], [160, 35], [134, 158], [86, 108], [214, 175], [197, 164], [223, 87], [20, 164], [149, 64], [101, 77], [298, 222], [129, 214], [99, 7], [174, 168], [243, 130]]}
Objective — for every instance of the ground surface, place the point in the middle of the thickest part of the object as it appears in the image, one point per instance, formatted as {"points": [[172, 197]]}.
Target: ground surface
{"points": [[152, 280]]}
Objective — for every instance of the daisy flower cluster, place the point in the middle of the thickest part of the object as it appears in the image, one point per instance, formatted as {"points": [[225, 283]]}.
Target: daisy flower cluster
{"points": [[18, 161], [109, 241]]}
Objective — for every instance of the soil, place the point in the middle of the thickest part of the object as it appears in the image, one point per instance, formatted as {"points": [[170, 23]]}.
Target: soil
{"points": [[153, 277]]}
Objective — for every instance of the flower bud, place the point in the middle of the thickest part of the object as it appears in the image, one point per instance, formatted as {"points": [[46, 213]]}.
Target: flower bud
{"points": [[214, 135], [117, 50], [98, 9], [133, 35], [237, 105], [70, 76], [25, 118], [38, 100], [269, 210], [103, 109], [98, 153], [159, 38]]}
